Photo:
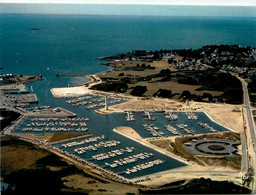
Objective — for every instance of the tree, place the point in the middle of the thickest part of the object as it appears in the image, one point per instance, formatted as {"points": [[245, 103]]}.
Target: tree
{"points": [[170, 61], [208, 96], [165, 71], [185, 94], [139, 90], [163, 93]]}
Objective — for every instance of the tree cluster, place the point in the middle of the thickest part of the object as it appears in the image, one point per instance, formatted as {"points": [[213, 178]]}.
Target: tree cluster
{"points": [[139, 90]]}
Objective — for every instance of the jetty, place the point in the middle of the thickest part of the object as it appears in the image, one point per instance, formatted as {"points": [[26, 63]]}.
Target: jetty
{"points": [[206, 126], [143, 166], [170, 116], [72, 75], [191, 116], [129, 159], [129, 117], [172, 129], [153, 130], [112, 154], [185, 128], [95, 147], [148, 116]]}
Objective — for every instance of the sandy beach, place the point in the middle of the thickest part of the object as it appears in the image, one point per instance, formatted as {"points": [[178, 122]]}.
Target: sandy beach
{"points": [[68, 92]]}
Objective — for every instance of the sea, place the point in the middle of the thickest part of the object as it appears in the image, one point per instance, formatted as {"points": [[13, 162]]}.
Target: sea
{"points": [[69, 44]]}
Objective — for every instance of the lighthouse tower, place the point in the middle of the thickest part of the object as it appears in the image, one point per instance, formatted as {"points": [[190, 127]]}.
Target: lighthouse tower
{"points": [[106, 102]]}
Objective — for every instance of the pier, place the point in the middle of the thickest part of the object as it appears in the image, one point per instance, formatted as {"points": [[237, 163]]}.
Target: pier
{"points": [[55, 125], [88, 140], [170, 116], [144, 166], [206, 126], [72, 75], [185, 128], [112, 154], [153, 130], [191, 116], [172, 129], [91, 101], [148, 116], [129, 117], [129, 159], [95, 147]]}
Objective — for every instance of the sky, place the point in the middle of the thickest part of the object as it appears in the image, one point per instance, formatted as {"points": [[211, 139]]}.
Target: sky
{"points": [[225, 8], [144, 2]]}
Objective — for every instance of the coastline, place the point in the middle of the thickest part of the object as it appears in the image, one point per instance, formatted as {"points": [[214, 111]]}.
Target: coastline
{"points": [[69, 92]]}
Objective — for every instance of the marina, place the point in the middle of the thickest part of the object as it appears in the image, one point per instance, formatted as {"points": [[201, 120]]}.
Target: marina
{"points": [[92, 101], [55, 125], [115, 154], [176, 79], [170, 116], [103, 160]]}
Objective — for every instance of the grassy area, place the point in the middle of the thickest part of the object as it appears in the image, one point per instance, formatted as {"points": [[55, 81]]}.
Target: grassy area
{"points": [[177, 148], [153, 80], [17, 155], [232, 162]]}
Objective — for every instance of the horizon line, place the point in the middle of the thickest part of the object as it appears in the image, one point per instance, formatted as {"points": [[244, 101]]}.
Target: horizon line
{"points": [[148, 4]]}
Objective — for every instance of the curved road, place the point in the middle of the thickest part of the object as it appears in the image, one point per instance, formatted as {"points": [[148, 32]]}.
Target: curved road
{"points": [[250, 124]]}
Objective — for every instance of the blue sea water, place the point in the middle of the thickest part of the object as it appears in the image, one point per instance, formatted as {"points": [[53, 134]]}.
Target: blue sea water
{"points": [[70, 44]]}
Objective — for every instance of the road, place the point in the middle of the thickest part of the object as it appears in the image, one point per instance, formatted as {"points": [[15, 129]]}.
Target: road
{"points": [[250, 124]]}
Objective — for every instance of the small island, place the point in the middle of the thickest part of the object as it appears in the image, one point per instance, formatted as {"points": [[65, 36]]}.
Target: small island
{"points": [[35, 28]]}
